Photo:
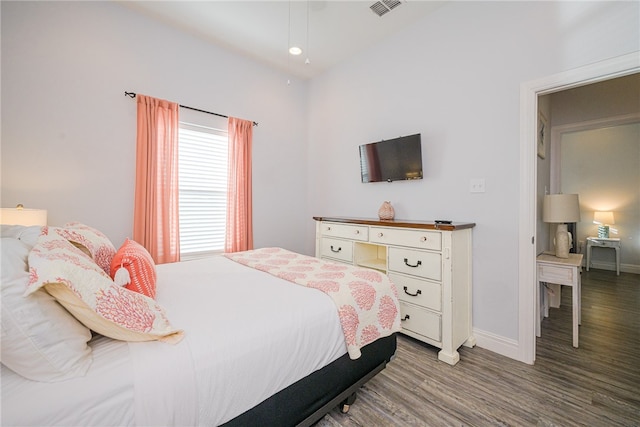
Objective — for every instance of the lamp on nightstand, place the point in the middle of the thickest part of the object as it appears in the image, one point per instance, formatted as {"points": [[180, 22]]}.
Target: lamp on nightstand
{"points": [[561, 209], [604, 219], [22, 216]]}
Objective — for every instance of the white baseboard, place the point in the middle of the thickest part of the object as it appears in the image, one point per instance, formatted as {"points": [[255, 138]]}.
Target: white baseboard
{"points": [[611, 266], [498, 344]]}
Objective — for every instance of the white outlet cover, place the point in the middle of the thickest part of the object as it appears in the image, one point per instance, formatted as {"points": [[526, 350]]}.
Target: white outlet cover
{"points": [[476, 185]]}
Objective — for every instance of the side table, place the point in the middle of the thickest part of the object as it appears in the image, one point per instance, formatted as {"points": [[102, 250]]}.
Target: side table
{"points": [[562, 271], [598, 242]]}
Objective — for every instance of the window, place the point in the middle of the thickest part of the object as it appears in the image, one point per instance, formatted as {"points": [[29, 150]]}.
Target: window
{"points": [[202, 182]]}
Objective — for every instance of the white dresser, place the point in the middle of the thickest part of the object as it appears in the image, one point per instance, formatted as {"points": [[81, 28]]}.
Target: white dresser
{"points": [[429, 263]]}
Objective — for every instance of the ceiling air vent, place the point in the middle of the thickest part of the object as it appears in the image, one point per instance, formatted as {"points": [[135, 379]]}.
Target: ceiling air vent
{"points": [[384, 6]]}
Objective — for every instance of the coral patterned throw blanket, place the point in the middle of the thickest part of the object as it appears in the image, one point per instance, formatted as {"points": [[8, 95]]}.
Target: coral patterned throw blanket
{"points": [[366, 300]]}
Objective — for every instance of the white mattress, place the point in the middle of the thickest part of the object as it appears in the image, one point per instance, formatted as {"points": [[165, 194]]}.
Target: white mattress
{"points": [[248, 336]]}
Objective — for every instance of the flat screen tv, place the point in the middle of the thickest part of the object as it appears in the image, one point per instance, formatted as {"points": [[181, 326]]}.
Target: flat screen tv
{"points": [[392, 160]]}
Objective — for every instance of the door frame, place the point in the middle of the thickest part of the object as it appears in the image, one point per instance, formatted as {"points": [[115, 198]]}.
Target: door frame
{"points": [[528, 208]]}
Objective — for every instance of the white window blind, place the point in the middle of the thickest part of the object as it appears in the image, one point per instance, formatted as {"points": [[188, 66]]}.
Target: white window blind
{"points": [[202, 182]]}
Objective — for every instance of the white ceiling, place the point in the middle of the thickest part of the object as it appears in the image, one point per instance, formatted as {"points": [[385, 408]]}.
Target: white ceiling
{"points": [[262, 30]]}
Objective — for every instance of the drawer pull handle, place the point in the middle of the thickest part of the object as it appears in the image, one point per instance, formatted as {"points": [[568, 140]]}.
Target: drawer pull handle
{"points": [[334, 250], [380, 234], [328, 228], [406, 317], [357, 231], [410, 294], [406, 262], [423, 239]]}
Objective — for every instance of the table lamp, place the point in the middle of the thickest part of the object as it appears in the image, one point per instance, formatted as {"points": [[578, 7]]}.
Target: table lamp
{"points": [[604, 219], [561, 209], [23, 216]]}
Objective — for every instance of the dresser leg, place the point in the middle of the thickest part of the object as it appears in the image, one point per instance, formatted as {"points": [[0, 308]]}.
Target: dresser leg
{"points": [[470, 342], [450, 358]]}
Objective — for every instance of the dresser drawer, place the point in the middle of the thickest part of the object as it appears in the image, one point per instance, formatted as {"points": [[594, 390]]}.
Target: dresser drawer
{"points": [[421, 321], [353, 232], [416, 263], [420, 239], [337, 249], [418, 292]]}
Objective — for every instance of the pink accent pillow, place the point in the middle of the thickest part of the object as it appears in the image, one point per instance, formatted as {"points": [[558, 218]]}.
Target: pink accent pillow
{"points": [[139, 265], [90, 295], [91, 241]]}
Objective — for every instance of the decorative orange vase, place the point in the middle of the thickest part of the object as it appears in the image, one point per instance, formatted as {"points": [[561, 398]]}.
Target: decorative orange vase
{"points": [[386, 211]]}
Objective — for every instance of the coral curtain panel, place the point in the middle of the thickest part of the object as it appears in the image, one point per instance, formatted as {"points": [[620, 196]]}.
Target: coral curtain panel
{"points": [[155, 223], [239, 233]]}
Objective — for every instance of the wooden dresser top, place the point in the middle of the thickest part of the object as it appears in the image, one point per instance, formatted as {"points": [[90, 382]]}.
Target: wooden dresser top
{"points": [[425, 225]]}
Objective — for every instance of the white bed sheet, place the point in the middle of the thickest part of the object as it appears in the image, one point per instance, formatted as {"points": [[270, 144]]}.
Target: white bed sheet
{"points": [[103, 397], [250, 334], [240, 326]]}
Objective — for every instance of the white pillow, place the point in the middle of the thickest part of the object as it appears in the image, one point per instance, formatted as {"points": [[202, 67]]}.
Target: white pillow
{"points": [[26, 234], [40, 339]]}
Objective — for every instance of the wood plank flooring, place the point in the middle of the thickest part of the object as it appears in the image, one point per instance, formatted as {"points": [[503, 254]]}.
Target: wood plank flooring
{"points": [[597, 384]]}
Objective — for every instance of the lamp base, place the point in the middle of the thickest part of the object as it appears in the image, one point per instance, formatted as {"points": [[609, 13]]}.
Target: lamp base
{"points": [[562, 241], [603, 231]]}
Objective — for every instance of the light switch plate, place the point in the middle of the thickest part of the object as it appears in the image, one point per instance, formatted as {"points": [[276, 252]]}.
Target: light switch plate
{"points": [[476, 185]]}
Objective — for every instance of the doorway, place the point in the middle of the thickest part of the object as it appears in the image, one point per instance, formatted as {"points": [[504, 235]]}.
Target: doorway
{"points": [[529, 92]]}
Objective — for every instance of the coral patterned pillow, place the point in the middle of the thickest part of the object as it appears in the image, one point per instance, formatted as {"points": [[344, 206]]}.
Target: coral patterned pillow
{"points": [[98, 246], [90, 295], [133, 268]]}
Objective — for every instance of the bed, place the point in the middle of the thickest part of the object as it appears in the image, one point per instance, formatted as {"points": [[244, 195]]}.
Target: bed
{"points": [[242, 339]]}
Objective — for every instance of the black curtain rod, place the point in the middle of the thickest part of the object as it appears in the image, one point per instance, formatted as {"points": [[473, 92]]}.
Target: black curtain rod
{"points": [[133, 95]]}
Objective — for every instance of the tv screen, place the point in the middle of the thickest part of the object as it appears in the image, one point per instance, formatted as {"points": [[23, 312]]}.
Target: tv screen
{"points": [[392, 160]]}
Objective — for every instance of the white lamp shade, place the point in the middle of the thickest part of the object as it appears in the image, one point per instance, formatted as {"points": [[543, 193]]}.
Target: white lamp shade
{"points": [[603, 217], [22, 216], [561, 208]]}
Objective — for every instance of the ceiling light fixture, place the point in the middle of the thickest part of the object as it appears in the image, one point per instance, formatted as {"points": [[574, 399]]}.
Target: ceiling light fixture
{"points": [[296, 50], [307, 61], [289, 44]]}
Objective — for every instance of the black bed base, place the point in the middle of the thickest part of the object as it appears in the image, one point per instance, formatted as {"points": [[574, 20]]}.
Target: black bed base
{"points": [[308, 400]]}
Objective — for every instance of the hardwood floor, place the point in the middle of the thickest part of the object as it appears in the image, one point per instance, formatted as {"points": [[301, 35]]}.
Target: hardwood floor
{"points": [[597, 384]]}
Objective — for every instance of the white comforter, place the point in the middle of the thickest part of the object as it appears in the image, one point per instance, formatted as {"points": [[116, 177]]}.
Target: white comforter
{"points": [[240, 347]]}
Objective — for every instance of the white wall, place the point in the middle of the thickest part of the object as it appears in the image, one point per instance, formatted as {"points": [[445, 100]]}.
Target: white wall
{"points": [[585, 104], [603, 167], [593, 106], [605, 170], [68, 131], [455, 77]]}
